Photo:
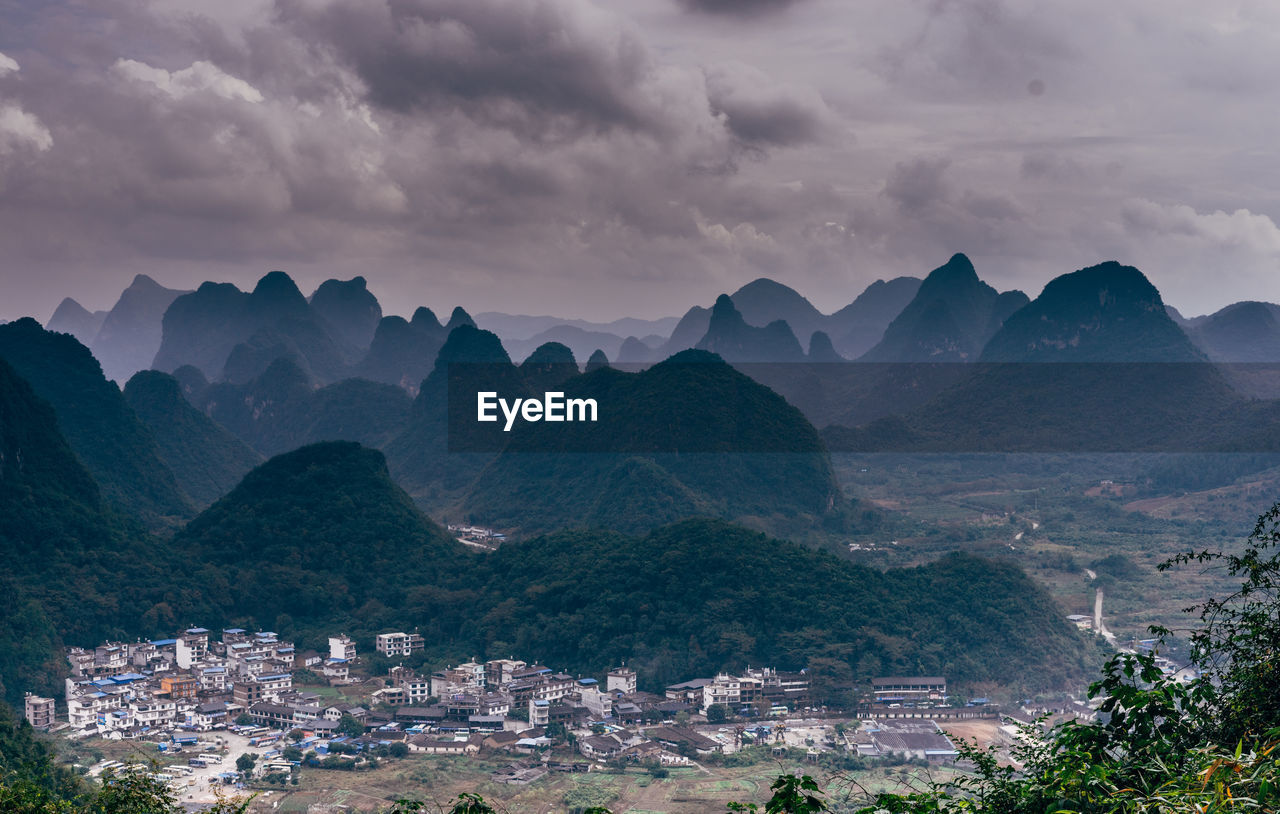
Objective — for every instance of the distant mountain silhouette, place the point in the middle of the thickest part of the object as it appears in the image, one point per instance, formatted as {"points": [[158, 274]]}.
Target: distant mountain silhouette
{"points": [[1240, 332], [282, 409], [131, 332], [548, 367], [597, 360], [729, 336], [687, 333], [403, 353], [107, 436], [350, 310], [520, 327], [764, 301], [633, 351], [71, 317], [714, 441], [581, 342], [1093, 364], [950, 319], [206, 459], [457, 318], [1104, 313], [857, 327], [419, 456], [227, 333], [821, 350]]}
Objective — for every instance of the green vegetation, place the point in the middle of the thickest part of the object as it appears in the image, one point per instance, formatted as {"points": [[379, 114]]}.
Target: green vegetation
{"points": [[108, 438], [321, 538], [688, 436], [206, 459], [697, 596]]}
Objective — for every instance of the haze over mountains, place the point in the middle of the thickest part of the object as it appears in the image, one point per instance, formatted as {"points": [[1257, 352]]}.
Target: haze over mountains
{"points": [[273, 417]]}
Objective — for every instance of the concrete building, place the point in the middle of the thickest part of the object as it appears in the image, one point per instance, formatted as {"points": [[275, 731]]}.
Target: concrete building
{"points": [[621, 679], [398, 644], [39, 711], [342, 648]]}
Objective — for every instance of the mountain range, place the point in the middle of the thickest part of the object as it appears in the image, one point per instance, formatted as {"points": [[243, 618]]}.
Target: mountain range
{"points": [[126, 338], [277, 466]]}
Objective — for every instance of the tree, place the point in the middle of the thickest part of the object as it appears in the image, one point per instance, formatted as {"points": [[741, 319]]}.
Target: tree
{"points": [[717, 713], [1237, 643], [244, 719], [245, 763], [350, 725]]}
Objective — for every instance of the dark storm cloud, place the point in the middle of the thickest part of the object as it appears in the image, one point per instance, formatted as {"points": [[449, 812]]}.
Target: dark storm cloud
{"points": [[538, 68], [738, 8], [760, 112], [620, 154], [919, 185]]}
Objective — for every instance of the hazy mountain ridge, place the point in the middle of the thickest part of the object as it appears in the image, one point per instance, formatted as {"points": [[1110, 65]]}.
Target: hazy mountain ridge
{"points": [[950, 318], [1093, 363], [206, 459], [105, 433], [721, 444]]}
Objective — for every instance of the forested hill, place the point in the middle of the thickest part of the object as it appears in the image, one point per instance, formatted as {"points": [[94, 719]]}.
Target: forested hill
{"points": [[697, 596], [689, 436], [321, 539], [315, 534], [97, 422]]}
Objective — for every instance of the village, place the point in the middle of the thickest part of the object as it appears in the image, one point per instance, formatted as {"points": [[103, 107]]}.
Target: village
{"points": [[249, 707]]}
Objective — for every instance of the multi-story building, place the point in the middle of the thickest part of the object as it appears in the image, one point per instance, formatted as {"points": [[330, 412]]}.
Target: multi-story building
{"points": [[180, 686], [539, 712], [399, 644], [725, 690], [152, 712], [342, 647], [898, 689], [621, 679], [191, 647], [501, 672], [39, 711]]}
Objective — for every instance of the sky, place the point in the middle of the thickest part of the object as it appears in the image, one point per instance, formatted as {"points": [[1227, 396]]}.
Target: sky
{"points": [[608, 158]]}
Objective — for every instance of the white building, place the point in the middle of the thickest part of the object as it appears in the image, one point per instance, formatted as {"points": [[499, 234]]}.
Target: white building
{"points": [[398, 644], [341, 647]]}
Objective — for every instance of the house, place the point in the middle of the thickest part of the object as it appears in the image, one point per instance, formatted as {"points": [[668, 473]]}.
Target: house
{"points": [[430, 746], [501, 672], [601, 747], [500, 740], [212, 715], [539, 712], [39, 711], [621, 679], [341, 648], [391, 696], [649, 750], [180, 686], [336, 670], [897, 689], [398, 644], [688, 691], [1081, 621], [672, 737]]}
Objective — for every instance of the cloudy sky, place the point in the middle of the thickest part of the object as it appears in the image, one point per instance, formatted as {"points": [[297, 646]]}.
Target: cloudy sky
{"points": [[601, 158]]}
